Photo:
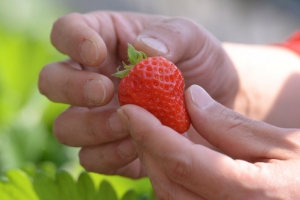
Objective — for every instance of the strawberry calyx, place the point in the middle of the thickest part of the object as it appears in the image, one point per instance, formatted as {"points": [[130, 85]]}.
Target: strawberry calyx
{"points": [[134, 58]]}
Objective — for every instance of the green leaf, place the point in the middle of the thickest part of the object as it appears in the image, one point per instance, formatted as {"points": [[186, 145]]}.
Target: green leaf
{"points": [[45, 187], [49, 168], [135, 56], [106, 192], [86, 187], [150, 196], [17, 185], [130, 195], [29, 168], [21, 182], [66, 185], [3, 192], [132, 55]]}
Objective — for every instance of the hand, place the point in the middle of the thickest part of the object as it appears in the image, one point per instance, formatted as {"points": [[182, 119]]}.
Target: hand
{"points": [[96, 44], [257, 160]]}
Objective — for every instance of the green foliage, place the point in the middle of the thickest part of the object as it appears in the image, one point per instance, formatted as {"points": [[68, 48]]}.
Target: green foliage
{"points": [[26, 117], [106, 191], [85, 187], [29, 153], [19, 185]]}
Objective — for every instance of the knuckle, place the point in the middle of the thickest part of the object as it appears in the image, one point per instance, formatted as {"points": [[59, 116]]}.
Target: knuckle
{"points": [[234, 121], [104, 164], [291, 142], [166, 191], [68, 90], [62, 22], [92, 128], [179, 170]]}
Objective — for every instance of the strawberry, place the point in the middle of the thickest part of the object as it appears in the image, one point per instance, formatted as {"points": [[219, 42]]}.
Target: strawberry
{"points": [[157, 85]]}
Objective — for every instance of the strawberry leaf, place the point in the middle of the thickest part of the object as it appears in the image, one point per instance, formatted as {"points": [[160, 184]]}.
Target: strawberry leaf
{"points": [[132, 55], [150, 196], [18, 186], [129, 195], [106, 192], [85, 187], [66, 185], [45, 187], [42, 185], [134, 58]]}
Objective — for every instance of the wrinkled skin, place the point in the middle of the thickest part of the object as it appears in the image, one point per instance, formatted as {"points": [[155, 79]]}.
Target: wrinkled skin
{"points": [[258, 161], [85, 80]]}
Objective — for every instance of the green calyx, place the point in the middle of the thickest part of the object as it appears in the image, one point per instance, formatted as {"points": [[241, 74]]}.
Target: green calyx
{"points": [[134, 57]]}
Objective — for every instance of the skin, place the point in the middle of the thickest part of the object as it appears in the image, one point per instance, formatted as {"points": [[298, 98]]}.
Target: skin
{"points": [[258, 160], [129, 141]]}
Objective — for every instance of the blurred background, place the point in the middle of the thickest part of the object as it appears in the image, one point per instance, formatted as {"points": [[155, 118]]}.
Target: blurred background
{"points": [[26, 117], [255, 21]]}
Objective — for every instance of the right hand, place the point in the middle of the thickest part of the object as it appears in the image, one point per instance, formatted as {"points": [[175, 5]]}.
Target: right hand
{"points": [[96, 44]]}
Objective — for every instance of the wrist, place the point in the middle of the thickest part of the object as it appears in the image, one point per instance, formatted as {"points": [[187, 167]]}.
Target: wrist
{"points": [[266, 92]]}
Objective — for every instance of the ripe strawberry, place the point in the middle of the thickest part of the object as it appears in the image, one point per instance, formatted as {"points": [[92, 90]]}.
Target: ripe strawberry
{"points": [[157, 85]]}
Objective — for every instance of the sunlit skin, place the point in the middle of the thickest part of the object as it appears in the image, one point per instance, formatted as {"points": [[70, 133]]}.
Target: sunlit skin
{"points": [[229, 153]]}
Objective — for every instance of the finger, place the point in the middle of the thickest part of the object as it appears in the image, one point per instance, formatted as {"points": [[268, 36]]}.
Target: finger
{"points": [[116, 158], [72, 35], [163, 186], [158, 39], [196, 52], [207, 173], [89, 38], [79, 126], [237, 135], [65, 84]]}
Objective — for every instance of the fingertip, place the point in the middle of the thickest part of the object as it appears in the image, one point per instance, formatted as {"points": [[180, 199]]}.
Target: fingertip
{"points": [[199, 97], [43, 80], [98, 91], [137, 121], [172, 38], [151, 46], [87, 47], [92, 51], [62, 82], [72, 35]]}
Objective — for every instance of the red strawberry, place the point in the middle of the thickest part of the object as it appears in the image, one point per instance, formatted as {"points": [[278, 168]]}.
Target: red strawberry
{"points": [[157, 85]]}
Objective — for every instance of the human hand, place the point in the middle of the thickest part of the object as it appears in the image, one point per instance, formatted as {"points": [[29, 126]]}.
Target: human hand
{"points": [[257, 160], [96, 44]]}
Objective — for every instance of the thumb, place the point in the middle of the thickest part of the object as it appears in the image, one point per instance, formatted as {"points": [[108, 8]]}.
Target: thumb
{"points": [[235, 134], [176, 39], [196, 52]]}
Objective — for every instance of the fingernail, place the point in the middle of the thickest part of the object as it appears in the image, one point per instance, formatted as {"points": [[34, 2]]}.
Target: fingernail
{"points": [[127, 148], [94, 91], [124, 119], [89, 51], [115, 124], [154, 44], [200, 98]]}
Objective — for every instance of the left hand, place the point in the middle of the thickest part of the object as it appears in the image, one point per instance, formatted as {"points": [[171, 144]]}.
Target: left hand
{"points": [[257, 160]]}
